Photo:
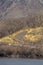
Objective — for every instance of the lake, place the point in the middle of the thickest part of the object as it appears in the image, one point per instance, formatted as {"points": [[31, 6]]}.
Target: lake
{"points": [[13, 61]]}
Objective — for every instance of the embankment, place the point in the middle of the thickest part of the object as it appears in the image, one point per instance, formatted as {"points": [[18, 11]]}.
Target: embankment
{"points": [[21, 50]]}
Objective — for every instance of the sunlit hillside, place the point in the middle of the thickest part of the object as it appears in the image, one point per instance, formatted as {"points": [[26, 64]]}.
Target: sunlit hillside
{"points": [[31, 34], [11, 38], [34, 34]]}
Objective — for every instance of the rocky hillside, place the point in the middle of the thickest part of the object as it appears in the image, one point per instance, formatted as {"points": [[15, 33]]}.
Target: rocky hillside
{"points": [[12, 25], [20, 14], [19, 8]]}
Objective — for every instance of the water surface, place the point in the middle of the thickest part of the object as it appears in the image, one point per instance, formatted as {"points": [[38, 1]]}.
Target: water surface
{"points": [[12, 61]]}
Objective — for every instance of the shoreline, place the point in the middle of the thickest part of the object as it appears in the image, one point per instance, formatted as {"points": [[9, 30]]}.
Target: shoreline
{"points": [[23, 51]]}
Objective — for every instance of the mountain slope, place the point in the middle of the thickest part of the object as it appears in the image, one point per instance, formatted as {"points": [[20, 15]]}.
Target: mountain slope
{"points": [[19, 8], [33, 35]]}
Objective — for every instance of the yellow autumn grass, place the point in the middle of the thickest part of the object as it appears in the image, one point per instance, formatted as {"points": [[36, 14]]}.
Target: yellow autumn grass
{"points": [[8, 40], [34, 34], [11, 38]]}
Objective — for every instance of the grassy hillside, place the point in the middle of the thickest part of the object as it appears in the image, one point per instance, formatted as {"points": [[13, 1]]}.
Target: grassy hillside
{"points": [[28, 28], [12, 25], [26, 32], [11, 38], [32, 35]]}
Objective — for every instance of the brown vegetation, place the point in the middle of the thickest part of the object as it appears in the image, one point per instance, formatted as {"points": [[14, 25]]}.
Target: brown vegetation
{"points": [[27, 51], [12, 25], [24, 51]]}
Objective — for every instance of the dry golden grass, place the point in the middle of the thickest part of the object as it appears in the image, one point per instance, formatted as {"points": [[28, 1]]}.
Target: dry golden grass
{"points": [[11, 38], [32, 35], [8, 40]]}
